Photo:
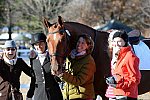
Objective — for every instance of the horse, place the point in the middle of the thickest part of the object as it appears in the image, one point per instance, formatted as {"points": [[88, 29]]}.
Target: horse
{"points": [[62, 39]]}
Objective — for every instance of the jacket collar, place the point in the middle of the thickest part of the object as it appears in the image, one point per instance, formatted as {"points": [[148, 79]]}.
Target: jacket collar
{"points": [[123, 51]]}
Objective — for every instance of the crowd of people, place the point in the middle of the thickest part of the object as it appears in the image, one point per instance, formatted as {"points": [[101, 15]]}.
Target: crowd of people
{"points": [[123, 83]]}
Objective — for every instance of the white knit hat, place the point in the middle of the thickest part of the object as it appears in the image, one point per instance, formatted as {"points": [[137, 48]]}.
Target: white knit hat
{"points": [[10, 44]]}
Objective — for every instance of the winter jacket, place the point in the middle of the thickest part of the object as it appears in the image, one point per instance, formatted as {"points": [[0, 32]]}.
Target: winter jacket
{"points": [[80, 78], [127, 73]]}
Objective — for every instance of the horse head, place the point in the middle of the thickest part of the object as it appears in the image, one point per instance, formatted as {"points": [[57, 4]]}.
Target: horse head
{"points": [[57, 43]]}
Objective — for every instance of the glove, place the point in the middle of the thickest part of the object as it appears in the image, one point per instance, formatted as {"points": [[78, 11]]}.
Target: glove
{"points": [[111, 81], [32, 54]]}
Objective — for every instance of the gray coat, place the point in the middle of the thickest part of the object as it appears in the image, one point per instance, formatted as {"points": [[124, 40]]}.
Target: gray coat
{"points": [[44, 86]]}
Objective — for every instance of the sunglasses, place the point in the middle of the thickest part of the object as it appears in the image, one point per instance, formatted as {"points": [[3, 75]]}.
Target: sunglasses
{"points": [[12, 49]]}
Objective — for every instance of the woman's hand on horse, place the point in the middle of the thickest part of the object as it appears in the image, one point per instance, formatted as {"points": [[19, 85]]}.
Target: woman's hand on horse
{"points": [[57, 73]]}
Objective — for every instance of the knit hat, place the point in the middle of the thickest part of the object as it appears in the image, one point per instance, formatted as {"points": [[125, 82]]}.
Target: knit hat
{"points": [[123, 35], [10, 44], [134, 36]]}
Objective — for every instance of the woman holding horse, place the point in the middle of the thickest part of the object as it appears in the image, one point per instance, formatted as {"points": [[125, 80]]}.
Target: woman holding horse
{"points": [[125, 69], [80, 76], [44, 86]]}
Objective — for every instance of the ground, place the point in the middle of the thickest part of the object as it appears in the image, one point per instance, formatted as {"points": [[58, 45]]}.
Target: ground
{"points": [[25, 80]]}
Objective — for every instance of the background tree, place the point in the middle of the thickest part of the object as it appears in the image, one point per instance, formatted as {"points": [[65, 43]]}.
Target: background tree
{"points": [[2, 9], [145, 16], [29, 14], [134, 13]]}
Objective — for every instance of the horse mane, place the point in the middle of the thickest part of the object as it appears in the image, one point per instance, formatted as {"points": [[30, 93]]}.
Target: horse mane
{"points": [[78, 24]]}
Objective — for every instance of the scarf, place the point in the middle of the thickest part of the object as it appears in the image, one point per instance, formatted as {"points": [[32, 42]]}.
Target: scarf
{"points": [[75, 54], [42, 57], [11, 62]]}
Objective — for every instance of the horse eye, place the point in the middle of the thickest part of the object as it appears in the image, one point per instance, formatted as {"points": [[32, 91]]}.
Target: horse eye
{"points": [[61, 33]]}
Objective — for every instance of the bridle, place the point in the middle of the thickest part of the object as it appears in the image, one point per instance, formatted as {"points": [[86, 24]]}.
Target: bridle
{"points": [[64, 55]]}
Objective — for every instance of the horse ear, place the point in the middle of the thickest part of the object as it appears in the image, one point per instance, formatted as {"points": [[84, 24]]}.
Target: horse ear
{"points": [[60, 20], [46, 23]]}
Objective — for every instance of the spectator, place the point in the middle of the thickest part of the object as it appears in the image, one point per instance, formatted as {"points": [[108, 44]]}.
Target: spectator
{"points": [[109, 91], [10, 72], [140, 49], [125, 69], [80, 76], [44, 86], [110, 41]]}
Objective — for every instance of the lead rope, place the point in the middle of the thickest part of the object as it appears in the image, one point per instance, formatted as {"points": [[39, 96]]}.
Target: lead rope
{"points": [[67, 90], [132, 48], [12, 91]]}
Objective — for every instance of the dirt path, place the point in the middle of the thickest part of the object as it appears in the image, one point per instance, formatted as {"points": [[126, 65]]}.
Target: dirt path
{"points": [[25, 81]]}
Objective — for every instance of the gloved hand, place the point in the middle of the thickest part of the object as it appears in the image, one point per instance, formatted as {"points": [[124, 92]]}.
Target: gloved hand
{"points": [[111, 81], [32, 54]]}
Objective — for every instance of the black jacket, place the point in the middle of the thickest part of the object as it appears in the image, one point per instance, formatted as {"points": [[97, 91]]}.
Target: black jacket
{"points": [[51, 86], [10, 77]]}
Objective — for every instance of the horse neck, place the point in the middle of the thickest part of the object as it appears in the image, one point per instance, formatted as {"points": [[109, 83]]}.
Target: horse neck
{"points": [[77, 29]]}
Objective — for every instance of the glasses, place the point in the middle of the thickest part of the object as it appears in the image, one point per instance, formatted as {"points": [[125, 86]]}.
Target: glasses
{"points": [[12, 49]]}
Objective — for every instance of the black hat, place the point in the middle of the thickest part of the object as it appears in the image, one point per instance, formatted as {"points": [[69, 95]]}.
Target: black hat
{"points": [[134, 36], [38, 37], [123, 35]]}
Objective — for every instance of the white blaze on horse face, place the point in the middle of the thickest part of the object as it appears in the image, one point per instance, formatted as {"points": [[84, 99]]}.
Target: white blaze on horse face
{"points": [[51, 49], [54, 37]]}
